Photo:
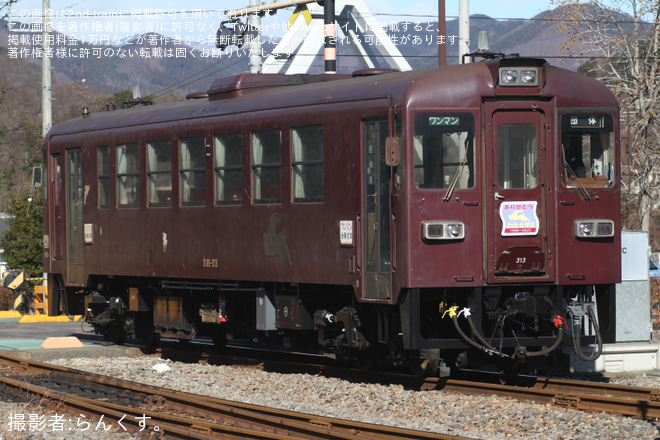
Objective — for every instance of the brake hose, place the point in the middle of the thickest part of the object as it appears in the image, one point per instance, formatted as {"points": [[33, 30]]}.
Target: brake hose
{"points": [[541, 352], [488, 347], [577, 329]]}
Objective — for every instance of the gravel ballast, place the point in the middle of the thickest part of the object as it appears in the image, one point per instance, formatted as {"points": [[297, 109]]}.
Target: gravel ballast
{"points": [[483, 417]]}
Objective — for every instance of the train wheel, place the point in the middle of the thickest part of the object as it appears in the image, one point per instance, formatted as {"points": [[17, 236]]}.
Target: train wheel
{"points": [[147, 333], [369, 359], [117, 334], [425, 366], [150, 339], [219, 338]]}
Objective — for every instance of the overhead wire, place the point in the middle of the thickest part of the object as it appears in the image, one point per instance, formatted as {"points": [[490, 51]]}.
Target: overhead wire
{"points": [[188, 81], [200, 75], [7, 4]]}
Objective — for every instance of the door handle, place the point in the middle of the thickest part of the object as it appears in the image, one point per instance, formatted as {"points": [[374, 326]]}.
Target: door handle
{"points": [[499, 196]]}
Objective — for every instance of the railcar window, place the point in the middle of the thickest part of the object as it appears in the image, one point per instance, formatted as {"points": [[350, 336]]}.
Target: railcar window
{"points": [[128, 175], [587, 150], [58, 179], [307, 164], [377, 198], [159, 173], [193, 171], [517, 156], [103, 161], [267, 166], [228, 169], [398, 170], [444, 150]]}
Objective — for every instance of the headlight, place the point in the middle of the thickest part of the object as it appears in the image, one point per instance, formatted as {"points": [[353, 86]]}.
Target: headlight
{"points": [[519, 76], [586, 229], [528, 77], [443, 230], [508, 77], [455, 230], [595, 228]]}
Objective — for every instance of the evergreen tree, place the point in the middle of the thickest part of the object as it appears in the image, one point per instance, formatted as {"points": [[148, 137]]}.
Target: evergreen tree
{"points": [[23, 239]]}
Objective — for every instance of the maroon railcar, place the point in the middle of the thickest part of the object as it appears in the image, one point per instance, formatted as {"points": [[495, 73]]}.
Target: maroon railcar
{"points": [[408, 216]]}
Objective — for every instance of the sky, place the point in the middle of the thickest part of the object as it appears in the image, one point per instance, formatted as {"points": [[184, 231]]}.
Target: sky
{"points": [[493, 8], [96, 11]]}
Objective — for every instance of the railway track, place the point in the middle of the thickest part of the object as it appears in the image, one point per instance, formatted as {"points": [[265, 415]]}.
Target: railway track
{"points": [[172, 414], [637, 402]]}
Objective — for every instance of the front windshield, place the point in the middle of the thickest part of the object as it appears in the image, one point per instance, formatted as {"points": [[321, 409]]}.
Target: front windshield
{"points": [[588, 154], [443, 150]]}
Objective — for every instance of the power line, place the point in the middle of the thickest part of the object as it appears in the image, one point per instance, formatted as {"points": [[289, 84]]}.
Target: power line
{"points": [[183, 83], [156, 12], [188, 81], [200, 75], [7, 4], [486, 17]]}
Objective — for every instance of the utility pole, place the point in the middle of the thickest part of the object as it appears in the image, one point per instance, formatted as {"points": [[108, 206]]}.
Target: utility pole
{"points": [[442, 34], [255, 45], [330, 34], [355, 21], [463, 31], [46, 93]]}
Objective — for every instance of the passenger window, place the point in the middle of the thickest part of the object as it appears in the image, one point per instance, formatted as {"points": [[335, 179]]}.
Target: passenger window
{"points": [[193, 171], [128, 175], [267, 166], [103, 160], [517, 156], [398, 170], [444, 150], [307, 164], [587, 150], [58, 178], [228, 169], [159, 173]]}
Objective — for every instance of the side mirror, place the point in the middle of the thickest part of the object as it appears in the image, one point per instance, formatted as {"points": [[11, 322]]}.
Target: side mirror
{"points": [[392, 151], [36, 176]]}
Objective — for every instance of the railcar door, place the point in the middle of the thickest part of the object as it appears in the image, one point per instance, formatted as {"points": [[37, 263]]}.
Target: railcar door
{"points": [[377, 231], [520, 239], [74, 218]]}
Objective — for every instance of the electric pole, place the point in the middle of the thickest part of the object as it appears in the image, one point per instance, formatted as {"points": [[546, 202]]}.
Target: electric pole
{"points": [[46, 94], [255, 44]]}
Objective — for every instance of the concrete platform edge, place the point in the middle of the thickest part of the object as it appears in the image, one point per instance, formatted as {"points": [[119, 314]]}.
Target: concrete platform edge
{"points": [[47, 354]]}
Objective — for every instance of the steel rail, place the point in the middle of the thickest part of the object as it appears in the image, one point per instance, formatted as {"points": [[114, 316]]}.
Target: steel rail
{"points": [[95, 408], [184, 427], [637, 402], [287, 424], [626, 401]]}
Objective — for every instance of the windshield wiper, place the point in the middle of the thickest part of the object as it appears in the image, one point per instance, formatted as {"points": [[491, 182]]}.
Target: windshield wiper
{"points": [[457, 174], [454, 180], [571, 175]]}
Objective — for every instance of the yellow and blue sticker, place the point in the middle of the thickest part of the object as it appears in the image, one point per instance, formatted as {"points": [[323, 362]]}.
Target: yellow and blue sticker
{"points": [[519, 218]]}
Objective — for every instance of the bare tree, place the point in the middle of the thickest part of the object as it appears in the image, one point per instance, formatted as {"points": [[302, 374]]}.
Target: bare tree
{"points": [[621, 39]]}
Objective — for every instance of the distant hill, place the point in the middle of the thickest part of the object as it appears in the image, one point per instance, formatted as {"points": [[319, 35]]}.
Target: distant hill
{"points": [[538, 37], [151, 60]]}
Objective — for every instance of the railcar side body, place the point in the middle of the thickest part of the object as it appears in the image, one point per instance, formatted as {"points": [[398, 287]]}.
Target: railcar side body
{"points": [[403, 215]]}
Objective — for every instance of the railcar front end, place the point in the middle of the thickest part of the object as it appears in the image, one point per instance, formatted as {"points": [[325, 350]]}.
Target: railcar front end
{"points": [[511, 203]]}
